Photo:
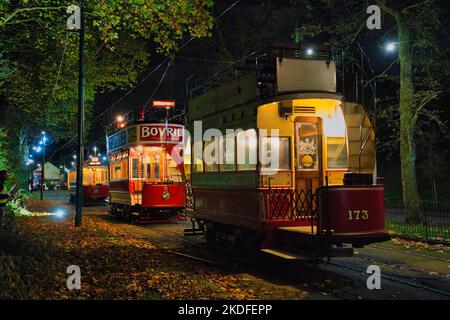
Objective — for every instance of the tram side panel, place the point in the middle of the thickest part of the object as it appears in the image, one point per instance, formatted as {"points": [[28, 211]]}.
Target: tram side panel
{"points": [[238, 208]]}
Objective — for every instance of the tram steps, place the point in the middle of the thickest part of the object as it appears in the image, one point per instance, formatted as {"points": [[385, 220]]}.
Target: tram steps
{"points": [[285, 254]]}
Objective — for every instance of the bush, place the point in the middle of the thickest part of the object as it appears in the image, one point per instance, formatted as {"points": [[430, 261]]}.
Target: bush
{"points": [[24, 262]]}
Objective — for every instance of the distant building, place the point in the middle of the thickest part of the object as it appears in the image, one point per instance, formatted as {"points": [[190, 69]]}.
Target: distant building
{"points": [[52, 176]]}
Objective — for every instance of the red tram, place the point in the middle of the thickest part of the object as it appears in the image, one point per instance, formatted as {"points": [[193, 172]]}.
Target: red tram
{"points": [[320, 199], [95, 181], [146, 172]]}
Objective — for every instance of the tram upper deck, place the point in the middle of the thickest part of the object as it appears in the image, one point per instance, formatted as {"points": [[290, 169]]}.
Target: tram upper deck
{"points": [[294, 93]]}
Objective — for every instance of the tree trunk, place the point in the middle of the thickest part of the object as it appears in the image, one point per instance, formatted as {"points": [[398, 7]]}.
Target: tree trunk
{"points": [[411, 197]]}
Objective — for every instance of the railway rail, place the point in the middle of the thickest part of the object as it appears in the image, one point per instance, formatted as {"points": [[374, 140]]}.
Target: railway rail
{"points": [[411, 253], [226, 263], [395, 280]]}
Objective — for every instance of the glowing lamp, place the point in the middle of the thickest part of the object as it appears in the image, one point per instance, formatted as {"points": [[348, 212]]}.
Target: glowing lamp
{"points": [[390, 47]]}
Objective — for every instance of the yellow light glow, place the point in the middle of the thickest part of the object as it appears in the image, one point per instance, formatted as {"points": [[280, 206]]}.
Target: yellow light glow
{"points": [[334, 124]]}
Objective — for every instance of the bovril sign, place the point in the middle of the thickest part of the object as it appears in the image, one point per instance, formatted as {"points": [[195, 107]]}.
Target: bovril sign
{"points": [[161, 132]]}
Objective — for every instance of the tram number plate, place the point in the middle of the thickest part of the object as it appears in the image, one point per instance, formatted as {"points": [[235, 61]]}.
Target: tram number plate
{"points": [[358, 214]]}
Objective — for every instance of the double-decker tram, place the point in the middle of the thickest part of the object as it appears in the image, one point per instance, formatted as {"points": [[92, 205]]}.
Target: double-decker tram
{"points": [[95, 181], [146, 172], [285, 165]]}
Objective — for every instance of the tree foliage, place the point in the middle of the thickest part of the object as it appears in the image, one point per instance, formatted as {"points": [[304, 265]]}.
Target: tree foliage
{"points": [[39, 58]]}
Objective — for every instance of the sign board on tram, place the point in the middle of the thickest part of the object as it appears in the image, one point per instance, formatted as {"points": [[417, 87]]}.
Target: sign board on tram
{"points": [[161, 133], [94, 161], [169, 104]]}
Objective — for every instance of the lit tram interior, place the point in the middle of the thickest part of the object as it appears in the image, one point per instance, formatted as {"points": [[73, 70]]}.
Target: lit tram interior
{"points": [[95, 182], [149, 165]]}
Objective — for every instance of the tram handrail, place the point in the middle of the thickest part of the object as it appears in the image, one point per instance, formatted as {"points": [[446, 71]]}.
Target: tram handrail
{"points": [[271, 51], [362, 145]]}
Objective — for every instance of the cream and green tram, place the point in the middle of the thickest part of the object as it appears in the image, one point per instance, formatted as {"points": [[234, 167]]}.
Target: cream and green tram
{"points": [[321, 197]]}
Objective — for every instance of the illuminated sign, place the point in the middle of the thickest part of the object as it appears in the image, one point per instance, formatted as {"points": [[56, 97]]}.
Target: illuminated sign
{"points": [[94, 161], [117, 140], [163, 104], [161, 133]]}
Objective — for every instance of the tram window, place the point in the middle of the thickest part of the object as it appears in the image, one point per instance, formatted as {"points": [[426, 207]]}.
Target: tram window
{"points": [[148, 170], [117, 172], [119, 169], [228, 147], [336, 153], [134, 168], [173, 172], [211, 155], [197, 162], [280, 143], [156, 175], [247, 142]]}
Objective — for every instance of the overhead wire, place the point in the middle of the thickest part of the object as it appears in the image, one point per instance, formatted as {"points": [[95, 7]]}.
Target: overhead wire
{"points": [[145, 78]]}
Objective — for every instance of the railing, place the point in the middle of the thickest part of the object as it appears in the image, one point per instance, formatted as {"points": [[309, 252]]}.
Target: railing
{"points": [[419, 223], [363, 145], [189, 199], [292, 205], [263, 61]]}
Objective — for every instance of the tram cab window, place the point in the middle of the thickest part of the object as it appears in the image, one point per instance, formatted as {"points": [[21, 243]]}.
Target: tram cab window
{"points": [[336, 153], [247, 142], [336, 146], [173, 172], [307, 146], [270, 145], [154, 164]]}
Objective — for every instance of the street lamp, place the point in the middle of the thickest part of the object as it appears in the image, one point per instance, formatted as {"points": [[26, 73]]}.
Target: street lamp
{"points": [[95, 150], [309, 51], [391, 47]]}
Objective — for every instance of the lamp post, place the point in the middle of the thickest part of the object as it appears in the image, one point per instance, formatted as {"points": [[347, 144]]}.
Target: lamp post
{"points": [[75, 22], [43, 164]]}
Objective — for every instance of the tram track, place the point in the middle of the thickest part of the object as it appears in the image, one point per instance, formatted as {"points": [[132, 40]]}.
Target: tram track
{"points": [[224, 261], [394, 279], [408, 252], [199, 252], [230, 263], [368, 258]]}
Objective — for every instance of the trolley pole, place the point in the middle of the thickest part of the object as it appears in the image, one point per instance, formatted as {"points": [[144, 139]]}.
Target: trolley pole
{"points": [[80, 147]]}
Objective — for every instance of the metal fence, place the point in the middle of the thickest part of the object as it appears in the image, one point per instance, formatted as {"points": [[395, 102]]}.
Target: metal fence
{"points": [[421, 223]]}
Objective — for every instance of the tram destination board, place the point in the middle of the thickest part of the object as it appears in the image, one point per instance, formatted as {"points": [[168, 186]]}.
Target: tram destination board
{"points": [[169, 104]]}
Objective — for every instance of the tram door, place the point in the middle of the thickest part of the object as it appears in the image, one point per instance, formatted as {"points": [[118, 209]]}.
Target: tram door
{"points": [[308, 143]]}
